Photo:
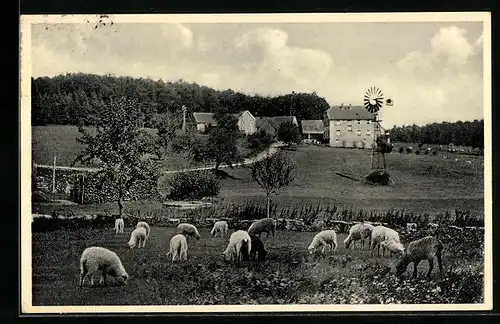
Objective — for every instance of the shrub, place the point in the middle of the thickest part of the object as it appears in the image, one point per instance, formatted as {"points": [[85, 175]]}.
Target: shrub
{"points": [[409, 150], [426, 152], [193, 185], [417, 152], [434, 152], [259, 141], [401, 150], [379, 177]]}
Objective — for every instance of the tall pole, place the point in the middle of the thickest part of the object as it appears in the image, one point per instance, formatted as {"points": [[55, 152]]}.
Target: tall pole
{"points": [[184, 119], [291, 104], [54, 175]]}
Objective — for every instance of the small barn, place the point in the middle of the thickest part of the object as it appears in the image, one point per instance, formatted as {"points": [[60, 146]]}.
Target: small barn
{"points": [[204, 121], [312, 129], [271, 124]]}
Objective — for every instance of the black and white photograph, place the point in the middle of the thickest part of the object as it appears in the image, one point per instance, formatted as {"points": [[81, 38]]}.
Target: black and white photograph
{"points": [[256, 163]]}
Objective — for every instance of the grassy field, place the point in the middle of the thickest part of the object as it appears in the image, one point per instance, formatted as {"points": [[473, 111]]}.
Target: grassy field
{"points": [[289, 275], [422, 183], [60, 140]]}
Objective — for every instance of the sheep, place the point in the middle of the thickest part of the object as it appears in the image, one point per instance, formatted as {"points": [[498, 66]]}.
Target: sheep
{"points": [[380, 234], [237, 241], [220, 227], [264, 225], [137, 237], [119, 225], [178, 248], [393, 247], [146, 226], [359, 232], [257, 252], [324, 238], [425, 248], [95, 259], [188, 230]]}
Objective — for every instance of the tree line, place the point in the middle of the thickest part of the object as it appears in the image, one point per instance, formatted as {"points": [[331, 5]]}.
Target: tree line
{"points": [[469, 133], [77, 99]]}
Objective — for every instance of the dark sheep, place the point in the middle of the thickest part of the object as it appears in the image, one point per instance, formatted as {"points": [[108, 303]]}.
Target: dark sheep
{"points": [[425, 248]]}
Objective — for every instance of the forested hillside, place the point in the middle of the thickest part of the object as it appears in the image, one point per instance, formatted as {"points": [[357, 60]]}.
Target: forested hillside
{"points": [[72, 99]]}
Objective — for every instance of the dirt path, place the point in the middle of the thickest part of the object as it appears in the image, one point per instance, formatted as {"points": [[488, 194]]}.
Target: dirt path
{"points": [[270, 151]]}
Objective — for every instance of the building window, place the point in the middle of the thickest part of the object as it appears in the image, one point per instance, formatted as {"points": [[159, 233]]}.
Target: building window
{"points": [[368, 122], [358, 132], [336, 140], [337, 133], [359, 122], [368, 132], [349, 128]]}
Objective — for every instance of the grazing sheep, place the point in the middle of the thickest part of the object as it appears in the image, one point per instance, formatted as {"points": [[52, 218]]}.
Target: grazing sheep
{"points": [[119, 225], [257, 252], [264, 225], [359, 232], [380, 234], [178, 248], [146, 227], [220, 227], [138, 238], [425, 248], [98, 259], [237, 241], [324, 238], [393, 247], [188, 230]]}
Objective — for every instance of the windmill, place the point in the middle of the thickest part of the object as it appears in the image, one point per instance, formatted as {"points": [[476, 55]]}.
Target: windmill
{"points": [[373, 100]]}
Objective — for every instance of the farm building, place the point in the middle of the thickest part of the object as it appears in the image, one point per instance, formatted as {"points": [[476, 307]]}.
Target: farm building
{"points": [[349, 126], [271, 124], [204, 121], [246, 121], [312, 129]]}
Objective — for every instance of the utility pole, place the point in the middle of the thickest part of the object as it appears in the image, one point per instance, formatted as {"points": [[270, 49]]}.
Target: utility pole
{"points": [[184, 119], [291, 104], [54, 175]]}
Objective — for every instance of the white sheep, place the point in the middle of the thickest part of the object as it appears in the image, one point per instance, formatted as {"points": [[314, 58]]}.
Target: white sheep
{"points": [[178, 248], [237, 241], [380, 234], [267, 225], [324, 238], [220, 227], [146, 226], [188, 230], [425, 248], [138, 238], [98, 259], [393, 247], [359, 232], [119, 225]]}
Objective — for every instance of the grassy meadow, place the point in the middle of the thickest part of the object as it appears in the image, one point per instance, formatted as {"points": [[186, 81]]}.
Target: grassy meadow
{"points": [[422, 183], [288, 276]]}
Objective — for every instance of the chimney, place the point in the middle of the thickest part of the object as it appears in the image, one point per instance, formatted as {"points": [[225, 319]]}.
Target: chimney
{"points": [[341, 106]]}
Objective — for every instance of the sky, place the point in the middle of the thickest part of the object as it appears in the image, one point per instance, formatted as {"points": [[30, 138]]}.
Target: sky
{"points": [[433, 72]]}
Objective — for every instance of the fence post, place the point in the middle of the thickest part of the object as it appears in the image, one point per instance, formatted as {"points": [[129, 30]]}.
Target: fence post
{"points": [[83, 186], [54, 175]]}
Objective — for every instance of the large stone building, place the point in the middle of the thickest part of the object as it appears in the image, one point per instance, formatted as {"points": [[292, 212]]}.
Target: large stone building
{"points": [[349, 126]]}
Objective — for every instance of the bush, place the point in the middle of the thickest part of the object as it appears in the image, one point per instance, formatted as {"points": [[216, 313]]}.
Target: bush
{"points": [[409, 150], [193, 185], [417, 152], [259, 141], [379, 177], [401, 150], [434, 152]]}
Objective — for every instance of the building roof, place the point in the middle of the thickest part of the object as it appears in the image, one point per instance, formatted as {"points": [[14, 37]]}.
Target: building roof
{"points": [[312, 126], [275, 121], [204, 117], [349, 113]]}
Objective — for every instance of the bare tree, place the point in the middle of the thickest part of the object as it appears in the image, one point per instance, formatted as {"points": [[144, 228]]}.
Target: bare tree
{"points": [[272, 174]]}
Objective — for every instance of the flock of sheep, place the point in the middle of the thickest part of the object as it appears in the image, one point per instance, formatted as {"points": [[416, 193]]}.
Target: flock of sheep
{"points": [[246, 245]]}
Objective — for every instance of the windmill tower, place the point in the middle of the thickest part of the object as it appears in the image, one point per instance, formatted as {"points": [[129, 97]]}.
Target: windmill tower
{"points": [[373, 100]]}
